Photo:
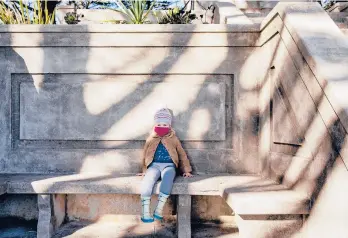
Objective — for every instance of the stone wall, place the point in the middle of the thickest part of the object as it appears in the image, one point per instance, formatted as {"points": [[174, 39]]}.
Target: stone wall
{"points": [[303, 113], [83, 101]]}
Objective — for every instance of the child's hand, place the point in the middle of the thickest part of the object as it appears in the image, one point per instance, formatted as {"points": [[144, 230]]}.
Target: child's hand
{"points": [[187, 175], [141, 174]]}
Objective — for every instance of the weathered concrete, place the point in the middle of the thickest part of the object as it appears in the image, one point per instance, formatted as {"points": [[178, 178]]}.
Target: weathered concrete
{"points": [[206, 98], [126, 208], [88, 131], [121, 28], [125, 184], [135, 39], [226, 12], [110, 227], [211, 209], [184, 216], [122, 207], [125, 161], [19, 206], [300, 95], [59, 210], [268, 226], [277, 201], [44, 225]]}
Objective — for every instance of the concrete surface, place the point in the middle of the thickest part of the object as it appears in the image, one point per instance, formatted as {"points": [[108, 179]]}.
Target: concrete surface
{"points": [[184, 216], [61, 123], [307, 68], [45, 226], [19, 206], [268, 226], [292, 82], [125, 184], [108, 227], [117, 228], [208, 134]]}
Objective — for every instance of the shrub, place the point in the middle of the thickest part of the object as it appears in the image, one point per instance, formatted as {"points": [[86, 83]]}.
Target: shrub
{"points": [[177, 16], [137, 10], [11, 13], [71, 18]]}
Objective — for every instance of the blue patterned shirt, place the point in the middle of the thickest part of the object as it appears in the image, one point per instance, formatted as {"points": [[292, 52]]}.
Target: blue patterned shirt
{"points": [[162, 155]]}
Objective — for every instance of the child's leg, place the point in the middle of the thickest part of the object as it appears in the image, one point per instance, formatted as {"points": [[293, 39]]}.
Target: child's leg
{"points": [[151, 177], [168, 175]]}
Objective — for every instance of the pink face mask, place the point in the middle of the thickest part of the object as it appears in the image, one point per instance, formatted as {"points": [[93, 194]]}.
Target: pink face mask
{"points": [[162, 131]]}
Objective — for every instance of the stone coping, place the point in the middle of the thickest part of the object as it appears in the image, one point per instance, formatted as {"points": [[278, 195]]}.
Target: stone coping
{"points": [[150, 28], [246, 194], [324, 47]]}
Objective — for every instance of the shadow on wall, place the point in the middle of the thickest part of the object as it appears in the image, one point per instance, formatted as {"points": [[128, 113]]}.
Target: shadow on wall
{"points": [[305, 142], [102, 125], [52, 82]]}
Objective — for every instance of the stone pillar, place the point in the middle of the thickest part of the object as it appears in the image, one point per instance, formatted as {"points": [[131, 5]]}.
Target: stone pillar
{"points": [[184, 216], [44, 225], [51, 214]]}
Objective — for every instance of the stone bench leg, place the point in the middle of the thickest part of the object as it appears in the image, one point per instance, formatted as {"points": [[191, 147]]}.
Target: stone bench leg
{"points": [[51, 214], [265, 226], [184, 216]]}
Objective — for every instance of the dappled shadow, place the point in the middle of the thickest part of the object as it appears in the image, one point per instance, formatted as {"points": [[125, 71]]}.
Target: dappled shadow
{"points": [[308, 145]]}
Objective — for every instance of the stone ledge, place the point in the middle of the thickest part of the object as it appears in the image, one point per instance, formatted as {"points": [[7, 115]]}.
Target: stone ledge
{"points": [[245, 194], [324, 48], [268, 202], [121, 184], [154, 28]]}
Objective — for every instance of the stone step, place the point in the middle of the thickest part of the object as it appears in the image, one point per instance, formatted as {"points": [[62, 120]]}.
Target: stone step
{"points": [[112, 229], [339, 16], [339, 7]]}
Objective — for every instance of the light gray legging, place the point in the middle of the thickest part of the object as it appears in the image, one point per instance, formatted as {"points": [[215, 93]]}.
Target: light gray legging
{"points": [[156, 170]]}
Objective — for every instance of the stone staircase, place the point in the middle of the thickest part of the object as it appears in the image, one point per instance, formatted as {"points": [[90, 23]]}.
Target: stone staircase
{"points": [[258, 10]]}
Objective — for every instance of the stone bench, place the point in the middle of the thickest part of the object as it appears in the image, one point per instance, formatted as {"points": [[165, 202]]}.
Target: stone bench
{"points": [[246, 195]]}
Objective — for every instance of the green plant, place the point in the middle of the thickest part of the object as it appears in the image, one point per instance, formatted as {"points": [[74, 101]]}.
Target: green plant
{"points": [[177, 16], [327, 4], [137, 11], [11, 13], [71, 18]]}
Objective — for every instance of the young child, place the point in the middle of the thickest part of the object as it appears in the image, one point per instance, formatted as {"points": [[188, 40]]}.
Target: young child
{"points": [[162, 154]]}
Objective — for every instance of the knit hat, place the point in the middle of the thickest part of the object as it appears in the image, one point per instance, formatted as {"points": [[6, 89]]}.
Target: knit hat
{"points": [[163, 116]]}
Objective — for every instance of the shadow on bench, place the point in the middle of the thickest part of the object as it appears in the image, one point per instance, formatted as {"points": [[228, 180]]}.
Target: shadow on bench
{"points": [[251, 197]]}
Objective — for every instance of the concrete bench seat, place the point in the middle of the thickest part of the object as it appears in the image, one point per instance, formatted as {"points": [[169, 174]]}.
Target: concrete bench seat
{"points": [[245, 194], [265, 197], [123, 184]]}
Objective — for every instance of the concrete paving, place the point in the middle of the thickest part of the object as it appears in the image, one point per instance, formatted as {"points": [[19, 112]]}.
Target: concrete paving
{"points": [[113, 229]]}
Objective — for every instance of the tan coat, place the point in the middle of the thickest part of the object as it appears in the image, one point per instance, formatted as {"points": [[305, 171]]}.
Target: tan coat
{"points": [[173, 146]]}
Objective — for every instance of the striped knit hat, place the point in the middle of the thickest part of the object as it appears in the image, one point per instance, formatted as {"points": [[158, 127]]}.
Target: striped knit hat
{"points": [[163, 116]]}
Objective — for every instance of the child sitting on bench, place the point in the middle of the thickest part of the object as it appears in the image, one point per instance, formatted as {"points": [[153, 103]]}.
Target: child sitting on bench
{"points": [[162, 154]]}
